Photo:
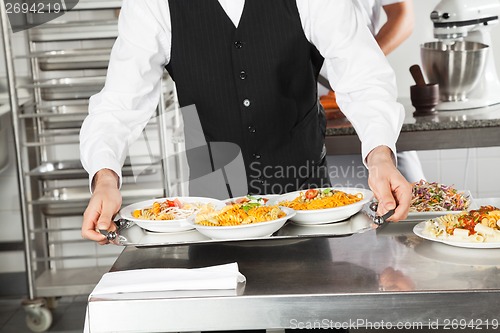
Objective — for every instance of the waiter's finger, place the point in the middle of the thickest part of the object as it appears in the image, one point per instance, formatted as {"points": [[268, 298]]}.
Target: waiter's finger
{"points": [[105, 221], [386, 200], [403, 195], [90, 218]]}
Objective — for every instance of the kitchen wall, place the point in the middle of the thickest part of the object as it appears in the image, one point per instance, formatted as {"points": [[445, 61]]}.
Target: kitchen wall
{"points": [[473, 169]]}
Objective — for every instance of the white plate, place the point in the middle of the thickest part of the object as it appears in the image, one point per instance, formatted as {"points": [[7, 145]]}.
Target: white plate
{"points": [[327, 215], [245, 231], [421, 216], [358, 223], [419, 231], [168, 225]]}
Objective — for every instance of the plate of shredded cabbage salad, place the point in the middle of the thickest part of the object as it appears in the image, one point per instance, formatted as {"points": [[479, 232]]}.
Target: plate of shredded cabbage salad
{"points": [[433, 199]]}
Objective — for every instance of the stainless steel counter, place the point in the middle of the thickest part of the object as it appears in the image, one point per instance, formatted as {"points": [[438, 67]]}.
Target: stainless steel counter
{"points": [[446, 130], [378, 279]]}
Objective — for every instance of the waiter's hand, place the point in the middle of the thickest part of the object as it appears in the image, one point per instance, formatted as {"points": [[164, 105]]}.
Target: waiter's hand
{"points": [[391, 189], [105, 202]]}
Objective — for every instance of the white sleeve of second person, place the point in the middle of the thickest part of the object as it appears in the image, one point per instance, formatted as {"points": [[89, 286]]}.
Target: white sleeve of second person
{"points": [[358, 71], [119, 113], [390, 2]]}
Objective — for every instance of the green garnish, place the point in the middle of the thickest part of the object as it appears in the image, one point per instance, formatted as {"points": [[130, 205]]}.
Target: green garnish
{"points": [[246, 207]]}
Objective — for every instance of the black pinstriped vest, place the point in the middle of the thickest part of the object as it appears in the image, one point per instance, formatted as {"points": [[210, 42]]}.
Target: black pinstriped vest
{"points": [[254, 85]]}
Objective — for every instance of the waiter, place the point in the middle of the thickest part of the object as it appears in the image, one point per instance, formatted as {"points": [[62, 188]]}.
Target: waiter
{"points": [[250, 68]]}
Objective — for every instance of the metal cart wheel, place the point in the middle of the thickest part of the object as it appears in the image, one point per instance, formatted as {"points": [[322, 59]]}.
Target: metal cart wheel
{"points": [[38, 316]]}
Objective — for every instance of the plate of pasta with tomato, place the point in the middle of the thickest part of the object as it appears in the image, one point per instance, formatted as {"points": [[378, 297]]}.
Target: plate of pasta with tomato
{"points": [[169, 214], [477, 228], [324, 205], [242, 218]]}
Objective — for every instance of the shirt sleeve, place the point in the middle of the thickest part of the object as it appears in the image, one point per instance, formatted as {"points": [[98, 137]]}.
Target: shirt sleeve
{"points": [[390, 2], [358, 71], [121, 110]]}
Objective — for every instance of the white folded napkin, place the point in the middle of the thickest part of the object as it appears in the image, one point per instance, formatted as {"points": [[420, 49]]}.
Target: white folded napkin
{"points": [[225, 276], [218, 277]]}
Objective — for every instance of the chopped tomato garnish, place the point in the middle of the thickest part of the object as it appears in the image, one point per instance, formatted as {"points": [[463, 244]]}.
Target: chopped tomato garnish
{"points": [[311, 193], [241, 200]]}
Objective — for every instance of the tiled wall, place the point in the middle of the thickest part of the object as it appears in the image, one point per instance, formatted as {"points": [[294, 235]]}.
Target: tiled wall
{"points": [[474, 169]]}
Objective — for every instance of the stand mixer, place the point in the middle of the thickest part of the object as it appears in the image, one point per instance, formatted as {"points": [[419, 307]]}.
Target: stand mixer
{"points": [[466, 22]]}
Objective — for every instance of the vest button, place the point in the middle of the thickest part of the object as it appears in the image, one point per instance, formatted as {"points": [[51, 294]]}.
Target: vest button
{"points": [[251, 129], [246, 102], [243, 75], [238, 44], [256, 156]]}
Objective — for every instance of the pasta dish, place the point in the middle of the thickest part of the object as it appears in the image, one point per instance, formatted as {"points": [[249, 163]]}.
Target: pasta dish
{"points": [[478, 226], [240, 214], [321, 199], [171, 210]]}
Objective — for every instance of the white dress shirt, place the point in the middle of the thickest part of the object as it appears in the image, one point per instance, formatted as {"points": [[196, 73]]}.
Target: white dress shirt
{"points": [[357, 70], [373, 11]]}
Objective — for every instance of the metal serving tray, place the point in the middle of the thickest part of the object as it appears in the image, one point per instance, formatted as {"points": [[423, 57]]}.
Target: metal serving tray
{"points": [[130, 234], [73, 169], [64, 116], [73, 59], [69, 201], [69, 88], [97, 4], [78, 30], [63, 122]]}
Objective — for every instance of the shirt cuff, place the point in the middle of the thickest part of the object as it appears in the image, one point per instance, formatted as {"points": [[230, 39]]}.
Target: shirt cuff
{"points": [[366, 148], [103, 164]]}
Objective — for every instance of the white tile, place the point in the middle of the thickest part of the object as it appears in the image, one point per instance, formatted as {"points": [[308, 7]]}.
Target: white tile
{"points": [[431, 170], [9, 193], [488, 175], [489, 194], [459, 154], [12, 261], [428, 155], [458, 173], [488, 152], [11, 228], [10, 169]]}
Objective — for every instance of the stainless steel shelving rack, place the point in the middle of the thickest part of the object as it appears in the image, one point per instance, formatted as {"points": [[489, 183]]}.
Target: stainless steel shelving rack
{"points": [[68, 61]]}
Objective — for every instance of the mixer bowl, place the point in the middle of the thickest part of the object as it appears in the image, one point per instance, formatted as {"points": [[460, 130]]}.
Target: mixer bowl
{"points": [[456, 67]]}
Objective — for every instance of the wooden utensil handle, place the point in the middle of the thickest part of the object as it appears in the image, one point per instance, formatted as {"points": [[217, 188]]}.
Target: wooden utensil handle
{"points": [[417, 75]]}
